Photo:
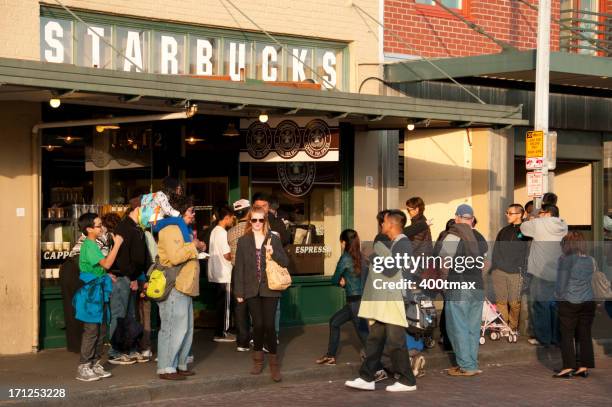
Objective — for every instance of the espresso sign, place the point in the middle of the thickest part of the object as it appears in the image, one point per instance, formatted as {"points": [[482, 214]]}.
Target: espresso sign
{"points": [[299, 140], [146, 50]]}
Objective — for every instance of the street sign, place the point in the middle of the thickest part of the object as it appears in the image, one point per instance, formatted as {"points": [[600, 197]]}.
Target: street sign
{"points": [[535, 184], [534, 144], [534, 163]]}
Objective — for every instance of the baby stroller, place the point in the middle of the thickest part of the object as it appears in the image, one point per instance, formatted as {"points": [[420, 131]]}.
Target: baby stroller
{"points": [[494, 324]]}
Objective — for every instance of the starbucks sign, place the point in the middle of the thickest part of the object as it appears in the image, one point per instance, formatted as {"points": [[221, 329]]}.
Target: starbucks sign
{"points": [[192, 51]]}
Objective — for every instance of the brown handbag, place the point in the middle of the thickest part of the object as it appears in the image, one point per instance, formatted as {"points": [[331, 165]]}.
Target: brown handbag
{"points": [[278, 277]]}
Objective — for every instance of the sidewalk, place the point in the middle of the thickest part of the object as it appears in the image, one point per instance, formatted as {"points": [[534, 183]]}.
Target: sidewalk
{"points": [[220, 368]]}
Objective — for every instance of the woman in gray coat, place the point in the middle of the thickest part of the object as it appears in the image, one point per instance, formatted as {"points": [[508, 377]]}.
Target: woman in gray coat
{"points": [[251, 285]]}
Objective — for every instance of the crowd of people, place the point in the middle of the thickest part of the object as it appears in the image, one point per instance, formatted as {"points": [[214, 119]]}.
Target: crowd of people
{"points": [[538, 274]]}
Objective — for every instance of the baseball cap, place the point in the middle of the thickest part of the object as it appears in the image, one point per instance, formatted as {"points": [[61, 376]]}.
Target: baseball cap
{"points": [[241, 204], [465, 211]]}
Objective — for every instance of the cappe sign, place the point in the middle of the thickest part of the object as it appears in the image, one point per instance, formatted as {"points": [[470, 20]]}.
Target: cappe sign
{"points": [[149, 50]]}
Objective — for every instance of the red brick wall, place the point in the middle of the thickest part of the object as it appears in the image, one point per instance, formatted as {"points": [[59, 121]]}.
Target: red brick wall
{"points": [[440, 34]]}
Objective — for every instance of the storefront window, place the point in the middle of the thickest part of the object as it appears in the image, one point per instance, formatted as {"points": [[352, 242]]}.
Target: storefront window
{"points": [[92, 45], [56, 40], [133, 44], [237, 59], [268, 62], [204, 58], [298, 61], [328, 66], [309, 200], [168, 53]]}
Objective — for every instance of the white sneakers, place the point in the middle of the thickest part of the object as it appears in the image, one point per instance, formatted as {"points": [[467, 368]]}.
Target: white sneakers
{"points": [[86, 374], [397, 387], [98, 369], [361, 384]]}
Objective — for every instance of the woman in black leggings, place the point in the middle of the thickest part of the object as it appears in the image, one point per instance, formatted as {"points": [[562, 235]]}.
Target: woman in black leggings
{"points": [[251, 285], [576, 306]]}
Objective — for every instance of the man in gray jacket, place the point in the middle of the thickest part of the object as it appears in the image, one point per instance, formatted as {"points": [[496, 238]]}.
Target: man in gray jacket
{"points": [[547, 231]]}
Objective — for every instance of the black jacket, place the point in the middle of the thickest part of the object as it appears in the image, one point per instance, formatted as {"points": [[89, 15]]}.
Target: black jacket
{"points": [[511, 250], [244, 274], [133, 256], [277, 225]]}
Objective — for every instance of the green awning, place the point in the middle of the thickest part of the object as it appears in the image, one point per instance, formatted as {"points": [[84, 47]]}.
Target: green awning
{"points": [[100, 86], [566, 69]]}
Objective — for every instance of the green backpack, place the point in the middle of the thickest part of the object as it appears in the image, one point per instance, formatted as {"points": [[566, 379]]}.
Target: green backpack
{"points": [[161, 281]]}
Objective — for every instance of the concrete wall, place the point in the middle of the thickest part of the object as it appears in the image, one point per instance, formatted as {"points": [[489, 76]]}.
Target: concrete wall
{"points": [[366, 197], [19, 274]]}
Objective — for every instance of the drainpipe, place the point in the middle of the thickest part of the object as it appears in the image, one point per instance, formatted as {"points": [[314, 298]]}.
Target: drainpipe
{"points": [[37, 198]]}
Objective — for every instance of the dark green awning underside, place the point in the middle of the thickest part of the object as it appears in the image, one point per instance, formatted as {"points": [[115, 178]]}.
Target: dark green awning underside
{"points": [[565, 69], [92, 85]]}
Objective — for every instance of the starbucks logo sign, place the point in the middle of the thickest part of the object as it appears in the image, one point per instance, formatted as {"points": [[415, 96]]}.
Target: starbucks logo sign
{"points": [[296, 178], [287, 139], [258, 140], [317, 138]]}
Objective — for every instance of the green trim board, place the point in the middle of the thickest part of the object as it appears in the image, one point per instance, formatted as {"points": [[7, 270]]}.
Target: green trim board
{"points": [[310, 300], [347, 161], [565, 68], [91, 80]]}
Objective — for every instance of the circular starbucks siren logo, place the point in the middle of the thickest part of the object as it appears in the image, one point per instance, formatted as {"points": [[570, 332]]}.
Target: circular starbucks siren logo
{"points": [[287, 139], [296, 178], [258, 140], [317, 138]]}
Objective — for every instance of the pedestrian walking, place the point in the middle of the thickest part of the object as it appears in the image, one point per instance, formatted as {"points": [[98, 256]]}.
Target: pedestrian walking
{"points": [[386, 312], [576, 306], [348, 275], [251, 285]]}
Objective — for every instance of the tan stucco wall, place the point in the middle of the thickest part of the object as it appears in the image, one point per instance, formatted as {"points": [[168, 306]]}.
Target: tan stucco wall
{"points": [[18, 246], [573, 186], [438, 168], [366, 198], [326, 19]]}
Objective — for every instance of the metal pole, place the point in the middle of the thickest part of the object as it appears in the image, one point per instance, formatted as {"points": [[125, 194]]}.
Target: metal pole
{"points": [[542, 86]]}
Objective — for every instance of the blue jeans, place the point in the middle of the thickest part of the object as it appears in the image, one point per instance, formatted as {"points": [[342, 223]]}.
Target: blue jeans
{"points": [[543, 311], [463, 309], [345, 314], [277, 319], [176, 333], [119, 300]]}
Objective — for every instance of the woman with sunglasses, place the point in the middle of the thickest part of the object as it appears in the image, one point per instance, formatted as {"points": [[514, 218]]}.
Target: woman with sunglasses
{"points": [[251, 286]]}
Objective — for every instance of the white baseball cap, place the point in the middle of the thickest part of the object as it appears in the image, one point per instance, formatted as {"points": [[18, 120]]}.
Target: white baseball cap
{"points": [[241, 204]]}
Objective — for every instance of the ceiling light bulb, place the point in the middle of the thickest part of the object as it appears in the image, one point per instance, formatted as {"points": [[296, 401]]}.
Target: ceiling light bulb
{"points": [[410, 126], [55, 103], [263, 117], [100, 129], [68, 140], [49, 147]]}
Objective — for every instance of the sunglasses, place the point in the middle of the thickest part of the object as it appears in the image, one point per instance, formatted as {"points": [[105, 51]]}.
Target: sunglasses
{"points": [[513, 213], [261, 220]]}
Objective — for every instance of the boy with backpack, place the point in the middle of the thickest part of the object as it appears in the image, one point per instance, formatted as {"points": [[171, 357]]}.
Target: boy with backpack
{"points": [[91, 300]]}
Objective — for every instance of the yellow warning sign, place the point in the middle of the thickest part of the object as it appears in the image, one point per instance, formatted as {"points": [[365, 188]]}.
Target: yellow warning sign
{"points": [[534, 144]]}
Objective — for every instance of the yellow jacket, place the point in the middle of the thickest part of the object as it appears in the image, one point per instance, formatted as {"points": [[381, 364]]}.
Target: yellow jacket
{"points": [[172, 251], [382, 305]]}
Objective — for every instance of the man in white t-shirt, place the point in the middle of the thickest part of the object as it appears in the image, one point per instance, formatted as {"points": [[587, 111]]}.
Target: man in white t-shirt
{"points": [[220, 273]]}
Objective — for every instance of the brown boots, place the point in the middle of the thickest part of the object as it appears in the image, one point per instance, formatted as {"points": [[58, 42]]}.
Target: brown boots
{"points": [[258, 364], [275, 368]]}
